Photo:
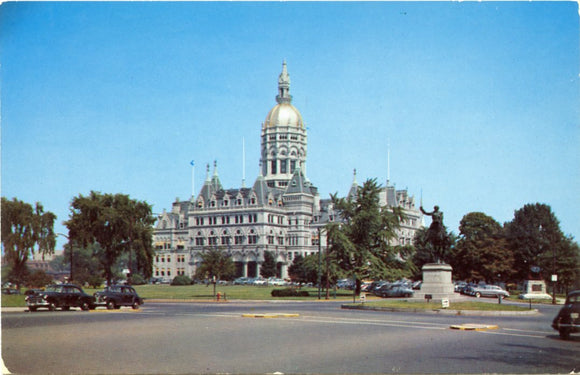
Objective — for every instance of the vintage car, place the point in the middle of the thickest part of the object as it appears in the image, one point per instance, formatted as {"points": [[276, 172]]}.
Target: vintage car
{"points": [[394, 291], [62, 296], [488, 291], [115, 296], [567, 321]]}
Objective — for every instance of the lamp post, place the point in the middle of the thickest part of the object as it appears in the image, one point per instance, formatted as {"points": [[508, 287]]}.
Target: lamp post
{"points": [[319, 263], [71, 256]]}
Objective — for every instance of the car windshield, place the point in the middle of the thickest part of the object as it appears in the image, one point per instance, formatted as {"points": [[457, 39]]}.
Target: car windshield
{"points": [[54, 288], [575, 298]]}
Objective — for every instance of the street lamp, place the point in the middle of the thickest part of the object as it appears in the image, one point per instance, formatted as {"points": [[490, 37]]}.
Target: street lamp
{"points": [[71, 256], [319, 263]]}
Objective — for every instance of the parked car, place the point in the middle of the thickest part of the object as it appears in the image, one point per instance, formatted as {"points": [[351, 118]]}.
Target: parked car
{"points": [[488, 291], [567, 321], [62, 296], [115, 296], [394, 291], [458, 286]]}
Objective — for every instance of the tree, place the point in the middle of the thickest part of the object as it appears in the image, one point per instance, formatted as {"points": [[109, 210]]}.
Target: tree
{"points": [[38, 279], [303, 270], [25, 230], [118, 224], [534, 236], [424, 252], [215, 263], [268, 268], [362, 241], [481, 252]]}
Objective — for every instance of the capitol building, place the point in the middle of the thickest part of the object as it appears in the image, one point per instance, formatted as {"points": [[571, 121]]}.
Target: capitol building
{"points": [[281, 212]]}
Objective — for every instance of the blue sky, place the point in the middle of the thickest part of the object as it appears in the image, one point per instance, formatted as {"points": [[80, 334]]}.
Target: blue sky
{"points": [[480, 102]]}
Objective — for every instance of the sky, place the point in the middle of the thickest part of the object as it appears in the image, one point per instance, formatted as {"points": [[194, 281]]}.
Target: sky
{"points": [[472, 106]]}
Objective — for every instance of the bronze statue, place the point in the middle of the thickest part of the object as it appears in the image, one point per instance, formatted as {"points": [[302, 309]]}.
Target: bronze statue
{"points": [[437, 234]]}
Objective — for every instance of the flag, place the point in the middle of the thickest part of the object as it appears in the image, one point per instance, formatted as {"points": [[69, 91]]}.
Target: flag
{"points": [[192, 163]]}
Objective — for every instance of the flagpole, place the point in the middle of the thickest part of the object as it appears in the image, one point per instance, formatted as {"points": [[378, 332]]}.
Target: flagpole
{"points": [[192, 179]]}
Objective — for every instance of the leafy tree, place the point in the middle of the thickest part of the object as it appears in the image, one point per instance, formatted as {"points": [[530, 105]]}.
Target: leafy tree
{"points": [[87, 263], [215, 262], [481, 252], [268, 268], [367, 228], [25, 230], [38, 279], [118, 224], [424, 251], [534, 236], [568, 265], [303, 270]]}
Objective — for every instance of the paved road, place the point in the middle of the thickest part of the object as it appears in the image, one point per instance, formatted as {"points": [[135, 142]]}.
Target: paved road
{"points": [[215, 338]]}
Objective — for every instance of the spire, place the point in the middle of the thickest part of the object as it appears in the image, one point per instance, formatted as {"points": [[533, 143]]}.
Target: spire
{"points": [[284, 86], [354, 187], [207, 179]]}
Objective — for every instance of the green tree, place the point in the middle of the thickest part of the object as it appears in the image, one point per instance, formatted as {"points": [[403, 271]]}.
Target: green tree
{"points": [[303, 269], [38, 279], [87, 262], [424, 252], [481, 252], [268, 268], [366, 230], [118, 224], [25, 230], [534, 236], [567, 265], [215, 262]]}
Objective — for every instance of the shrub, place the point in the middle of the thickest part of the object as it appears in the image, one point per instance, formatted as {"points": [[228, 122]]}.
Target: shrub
{"points": [[289, 292], [181, 280], [137, 279]]}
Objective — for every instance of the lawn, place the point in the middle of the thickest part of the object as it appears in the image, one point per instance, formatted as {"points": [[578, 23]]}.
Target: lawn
{"points": [[467, 305]]}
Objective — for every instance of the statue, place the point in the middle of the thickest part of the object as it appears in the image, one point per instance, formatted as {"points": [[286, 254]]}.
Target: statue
{"points": [[437, 234]]}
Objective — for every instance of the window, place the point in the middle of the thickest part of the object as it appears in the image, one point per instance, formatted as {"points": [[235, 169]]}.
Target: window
{"points": [[283, 166], [270, 240], [273, 167], [292, 166], [253, 239]]}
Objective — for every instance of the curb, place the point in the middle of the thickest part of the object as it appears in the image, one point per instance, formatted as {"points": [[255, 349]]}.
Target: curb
{"points": [[474, 327], [444, 311], [269, 316]]}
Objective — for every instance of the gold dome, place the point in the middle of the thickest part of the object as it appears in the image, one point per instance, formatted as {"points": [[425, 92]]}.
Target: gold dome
{"points": [[284, 114]]}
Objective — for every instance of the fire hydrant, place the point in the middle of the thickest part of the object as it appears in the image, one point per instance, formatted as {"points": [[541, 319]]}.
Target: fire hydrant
{"points": [[219, 296]]}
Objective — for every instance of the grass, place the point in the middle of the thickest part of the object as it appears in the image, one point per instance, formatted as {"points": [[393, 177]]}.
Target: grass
{"points": [[238, 292], [479, 306]]}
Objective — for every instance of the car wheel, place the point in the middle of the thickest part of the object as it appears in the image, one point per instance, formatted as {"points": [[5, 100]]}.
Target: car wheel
{"points": [[564, 333], [85, 306], [135, 305], [110, 305], [65, 308], [31, 309], [51, 307], [477, 295]]}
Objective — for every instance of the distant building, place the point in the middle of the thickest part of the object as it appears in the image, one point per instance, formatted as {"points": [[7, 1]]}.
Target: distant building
{"points": [[281, 212]]}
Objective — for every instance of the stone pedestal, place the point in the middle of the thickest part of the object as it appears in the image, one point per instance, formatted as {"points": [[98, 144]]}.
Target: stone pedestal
{"points": [[535, 289], [436, 282]]}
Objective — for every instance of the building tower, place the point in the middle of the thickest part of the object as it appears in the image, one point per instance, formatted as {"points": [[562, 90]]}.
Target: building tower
{"points": [[284, 138]]}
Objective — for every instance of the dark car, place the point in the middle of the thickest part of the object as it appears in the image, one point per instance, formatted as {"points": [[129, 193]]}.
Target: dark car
{"points": [[62, 296], [567, 320], [115, 296]]}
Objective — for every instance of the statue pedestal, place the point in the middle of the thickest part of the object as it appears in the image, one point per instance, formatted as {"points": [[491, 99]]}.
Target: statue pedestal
{"points": [[436, 282], [535, 289]]}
